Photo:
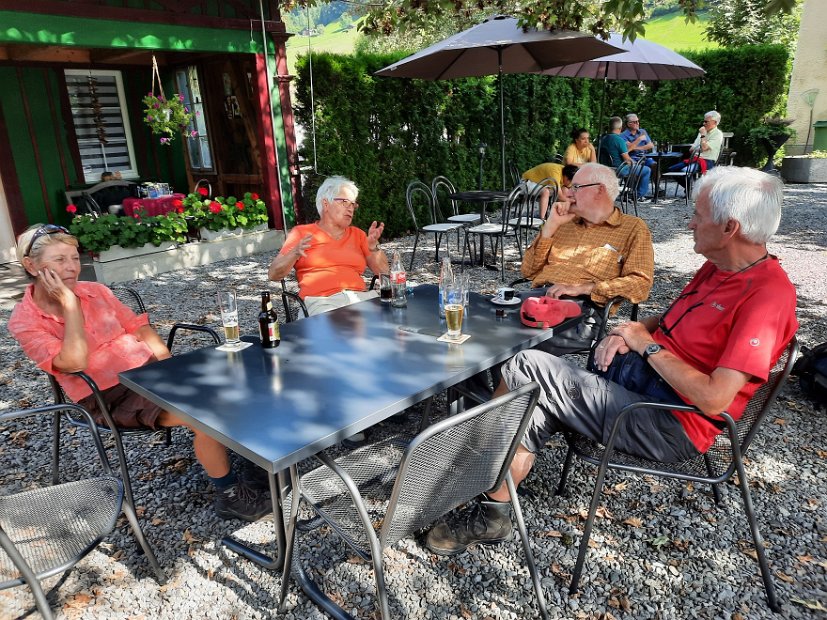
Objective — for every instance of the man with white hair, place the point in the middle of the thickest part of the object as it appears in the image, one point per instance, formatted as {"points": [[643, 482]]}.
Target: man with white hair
{"points": [[707, 146], [713, 347]]}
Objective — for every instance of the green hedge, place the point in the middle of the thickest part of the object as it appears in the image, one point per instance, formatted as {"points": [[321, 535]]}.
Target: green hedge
{"points": [[384, 132]]}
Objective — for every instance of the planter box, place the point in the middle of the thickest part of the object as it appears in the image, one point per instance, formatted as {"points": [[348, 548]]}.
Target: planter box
{"points": [[804, 170], [117, 252], [218, 235], [187, 255]]}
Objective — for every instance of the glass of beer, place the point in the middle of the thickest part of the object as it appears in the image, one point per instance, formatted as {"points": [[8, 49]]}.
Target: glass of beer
{"points": [[454, 310], [229, 316]]}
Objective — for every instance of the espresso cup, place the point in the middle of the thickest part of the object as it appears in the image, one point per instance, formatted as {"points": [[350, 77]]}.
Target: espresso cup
{"points": [[505, 293]]}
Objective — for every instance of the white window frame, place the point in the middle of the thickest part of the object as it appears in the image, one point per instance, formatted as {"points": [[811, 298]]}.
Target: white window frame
{"points": [[132, 172]]}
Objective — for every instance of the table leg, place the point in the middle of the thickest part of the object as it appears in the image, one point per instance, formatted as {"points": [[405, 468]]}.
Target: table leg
{"points": [[657, 180], [254, 555]]}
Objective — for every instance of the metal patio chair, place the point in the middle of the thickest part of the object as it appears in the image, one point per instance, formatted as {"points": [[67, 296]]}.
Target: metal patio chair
{"points": [[443, 185], [526, 222], [418, 197], [497, 232], [719, 464], [46, 531], [382, 493]]}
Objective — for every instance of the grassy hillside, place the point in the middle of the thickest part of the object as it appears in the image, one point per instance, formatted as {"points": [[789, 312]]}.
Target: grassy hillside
{"points": [[668, 30]]}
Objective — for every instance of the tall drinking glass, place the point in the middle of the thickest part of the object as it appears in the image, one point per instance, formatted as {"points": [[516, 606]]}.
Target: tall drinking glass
{"points": [[454, 311], [229, 316]]}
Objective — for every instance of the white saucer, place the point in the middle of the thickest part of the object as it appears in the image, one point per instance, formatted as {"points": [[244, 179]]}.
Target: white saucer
{"points": [[502, 302]]}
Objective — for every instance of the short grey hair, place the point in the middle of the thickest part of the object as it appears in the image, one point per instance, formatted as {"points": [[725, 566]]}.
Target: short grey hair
{"points": [[615, 123], [750, 197], [631, 116], [598, 173], [331, 187], [715, 116], [25, 239]]}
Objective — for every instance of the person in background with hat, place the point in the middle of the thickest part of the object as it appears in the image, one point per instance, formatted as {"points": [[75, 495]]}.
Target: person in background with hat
{"points": [[713, 347]]}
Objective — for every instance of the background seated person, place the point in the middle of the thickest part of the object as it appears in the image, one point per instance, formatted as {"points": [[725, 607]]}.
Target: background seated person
{"points": [[613, 153], [712, 348], [589, 247], [561, 174], [707, 144], [66, 326], [638, 143], [110, 199], [581, 150], [330, 255]]}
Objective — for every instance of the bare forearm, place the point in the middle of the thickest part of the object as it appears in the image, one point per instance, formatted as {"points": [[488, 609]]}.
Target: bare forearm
{"points": [[74, 352], [378, 261], [282, 265], [150, 337]]}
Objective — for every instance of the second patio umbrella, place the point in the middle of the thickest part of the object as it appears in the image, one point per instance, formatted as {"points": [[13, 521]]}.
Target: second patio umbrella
{"points": [[640, 60], [494, 47]]}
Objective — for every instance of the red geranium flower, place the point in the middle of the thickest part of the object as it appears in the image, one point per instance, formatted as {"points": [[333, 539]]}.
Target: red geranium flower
{"points": [[239, 206], [71, 208], [179, 209], [215, 207], [254, 196], [203, 191], [177, 203]]}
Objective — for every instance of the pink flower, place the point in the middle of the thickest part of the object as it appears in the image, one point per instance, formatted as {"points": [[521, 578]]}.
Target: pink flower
{"points": [[148, 119], [186, 109], [156, 105], [71, 208], [165, 140], [181, 98], [254, 196], [193, 134], [215, 207], [203, 191]]}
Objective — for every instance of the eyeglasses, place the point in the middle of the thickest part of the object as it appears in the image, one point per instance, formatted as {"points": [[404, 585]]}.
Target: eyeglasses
{"points": [[634, 122], [347, 202], [48, 229], [708, 120], [575, 186], [662, 321]]}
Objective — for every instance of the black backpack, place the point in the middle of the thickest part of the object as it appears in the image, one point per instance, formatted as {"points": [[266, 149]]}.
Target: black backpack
{"points": [[811, 369]]}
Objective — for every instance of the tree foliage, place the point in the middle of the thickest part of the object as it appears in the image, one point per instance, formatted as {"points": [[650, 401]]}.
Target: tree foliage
{"points": [[734, 23]]}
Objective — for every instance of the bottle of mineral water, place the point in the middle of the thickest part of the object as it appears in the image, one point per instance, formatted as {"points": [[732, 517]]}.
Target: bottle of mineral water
{"points": [[446, 278], [399, 282]]}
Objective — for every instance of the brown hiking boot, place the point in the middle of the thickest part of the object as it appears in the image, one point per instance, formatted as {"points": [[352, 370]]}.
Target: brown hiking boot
{"points": [[482, 522]]}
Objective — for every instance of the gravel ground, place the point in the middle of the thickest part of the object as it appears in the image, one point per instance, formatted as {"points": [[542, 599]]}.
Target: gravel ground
{"points": [[660, 549]]}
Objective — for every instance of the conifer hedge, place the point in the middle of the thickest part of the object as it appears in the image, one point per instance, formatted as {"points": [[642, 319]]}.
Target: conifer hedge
{"points": [[385, 132]]}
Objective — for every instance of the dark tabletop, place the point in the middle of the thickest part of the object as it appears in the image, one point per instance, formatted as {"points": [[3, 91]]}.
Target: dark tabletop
{"points": [[334, 374]]}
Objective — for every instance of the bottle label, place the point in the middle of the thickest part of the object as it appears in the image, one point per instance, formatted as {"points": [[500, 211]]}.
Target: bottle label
{"points": [[399, 277], [273, 331], [269, 306]]}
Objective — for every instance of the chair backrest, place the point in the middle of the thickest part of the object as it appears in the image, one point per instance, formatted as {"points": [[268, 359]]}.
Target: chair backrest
{"points": [[455, 460], [720, 454], [418, 196], [441, 188], [514, 173], [533, 197], [84, 203], [557, 158], [515, 206]]}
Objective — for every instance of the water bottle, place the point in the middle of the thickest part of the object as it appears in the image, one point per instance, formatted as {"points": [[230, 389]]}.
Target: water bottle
{"points": [[446, 278], [399, 282]]}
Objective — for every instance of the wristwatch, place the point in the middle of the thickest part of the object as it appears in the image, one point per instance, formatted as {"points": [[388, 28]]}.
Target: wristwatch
{"points": [[651, 349]]}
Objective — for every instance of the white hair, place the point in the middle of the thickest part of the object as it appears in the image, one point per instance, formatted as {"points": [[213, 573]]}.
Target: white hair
{"points": [[332, 186], [598, 173], [715, 116], [750, 197]]}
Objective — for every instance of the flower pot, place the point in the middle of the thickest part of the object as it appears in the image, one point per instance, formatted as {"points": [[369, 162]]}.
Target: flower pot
{"points": [[256, 228], [772, 144], [117, 252], [224, 233], [804, 170]]}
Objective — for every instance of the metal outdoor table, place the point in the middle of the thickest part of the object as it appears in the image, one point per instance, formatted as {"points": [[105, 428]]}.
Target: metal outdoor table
{"points": [[333, 375], [481, 197], [659, 157]]}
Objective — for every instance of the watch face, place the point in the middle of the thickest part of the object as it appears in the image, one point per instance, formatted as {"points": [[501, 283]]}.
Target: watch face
{"points": [[652, 349]]}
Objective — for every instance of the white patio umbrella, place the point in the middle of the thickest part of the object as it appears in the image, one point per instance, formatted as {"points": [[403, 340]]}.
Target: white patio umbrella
{"points": [[494, 47]]}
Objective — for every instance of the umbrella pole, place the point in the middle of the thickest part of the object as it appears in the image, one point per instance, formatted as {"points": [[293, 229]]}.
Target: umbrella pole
{"points": [[502, 116]]}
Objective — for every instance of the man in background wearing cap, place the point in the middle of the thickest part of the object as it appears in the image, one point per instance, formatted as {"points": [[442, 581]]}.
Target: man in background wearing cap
{"points": [[713, 347], [588, 247]]}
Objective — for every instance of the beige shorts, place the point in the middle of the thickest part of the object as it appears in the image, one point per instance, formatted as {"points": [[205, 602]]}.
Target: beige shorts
{"points": [[317, 305]]}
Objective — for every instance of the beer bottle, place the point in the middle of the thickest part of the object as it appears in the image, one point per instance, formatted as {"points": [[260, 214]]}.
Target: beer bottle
{"points": [[268, 323]]}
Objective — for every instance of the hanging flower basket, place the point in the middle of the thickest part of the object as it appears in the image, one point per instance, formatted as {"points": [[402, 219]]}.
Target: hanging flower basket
{"points": [[165, 117]]}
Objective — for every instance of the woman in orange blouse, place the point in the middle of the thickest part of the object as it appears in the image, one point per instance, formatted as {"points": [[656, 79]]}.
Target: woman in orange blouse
{"points": [[330, 255], [581, 150], [66, 326]]}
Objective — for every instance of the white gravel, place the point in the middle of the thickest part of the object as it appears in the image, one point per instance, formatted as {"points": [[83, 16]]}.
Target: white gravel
{"points": [[704, 570]]}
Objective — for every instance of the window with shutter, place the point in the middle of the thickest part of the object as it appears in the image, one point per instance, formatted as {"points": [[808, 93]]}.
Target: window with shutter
{"points": [[101, 123]]}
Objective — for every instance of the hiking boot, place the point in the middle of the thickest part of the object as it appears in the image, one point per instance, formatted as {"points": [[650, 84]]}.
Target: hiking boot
{"points": [[482, 522], [254, 477], [239, 501]]}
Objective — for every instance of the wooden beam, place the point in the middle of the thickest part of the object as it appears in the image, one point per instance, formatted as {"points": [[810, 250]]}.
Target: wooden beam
{"points": [[125, 56], [47, 53]]}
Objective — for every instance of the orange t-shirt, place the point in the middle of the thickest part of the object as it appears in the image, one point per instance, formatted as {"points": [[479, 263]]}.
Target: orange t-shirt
{"points": [[329, 265]]}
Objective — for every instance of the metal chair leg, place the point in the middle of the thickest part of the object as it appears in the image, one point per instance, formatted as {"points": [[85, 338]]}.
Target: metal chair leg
{"points": [[587, 528], [529, 556], [413, 254], [56, 448], [564, 474], [129, 511], [290, 536], [28, 575], [766, 575]]}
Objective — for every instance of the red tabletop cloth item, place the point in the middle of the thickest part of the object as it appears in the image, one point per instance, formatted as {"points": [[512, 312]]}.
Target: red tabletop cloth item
{"points": [[152, 206]]}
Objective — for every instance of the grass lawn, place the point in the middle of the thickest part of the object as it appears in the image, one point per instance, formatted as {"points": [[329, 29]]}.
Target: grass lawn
{"points": [[335, 39]]}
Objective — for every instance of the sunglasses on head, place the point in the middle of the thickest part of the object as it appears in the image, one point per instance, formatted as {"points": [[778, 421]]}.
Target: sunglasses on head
{"points": [[48, 229]]}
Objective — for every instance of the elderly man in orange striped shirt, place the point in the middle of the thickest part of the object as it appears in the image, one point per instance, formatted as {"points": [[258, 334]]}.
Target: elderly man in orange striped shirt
{"points": [[589, 248]]}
